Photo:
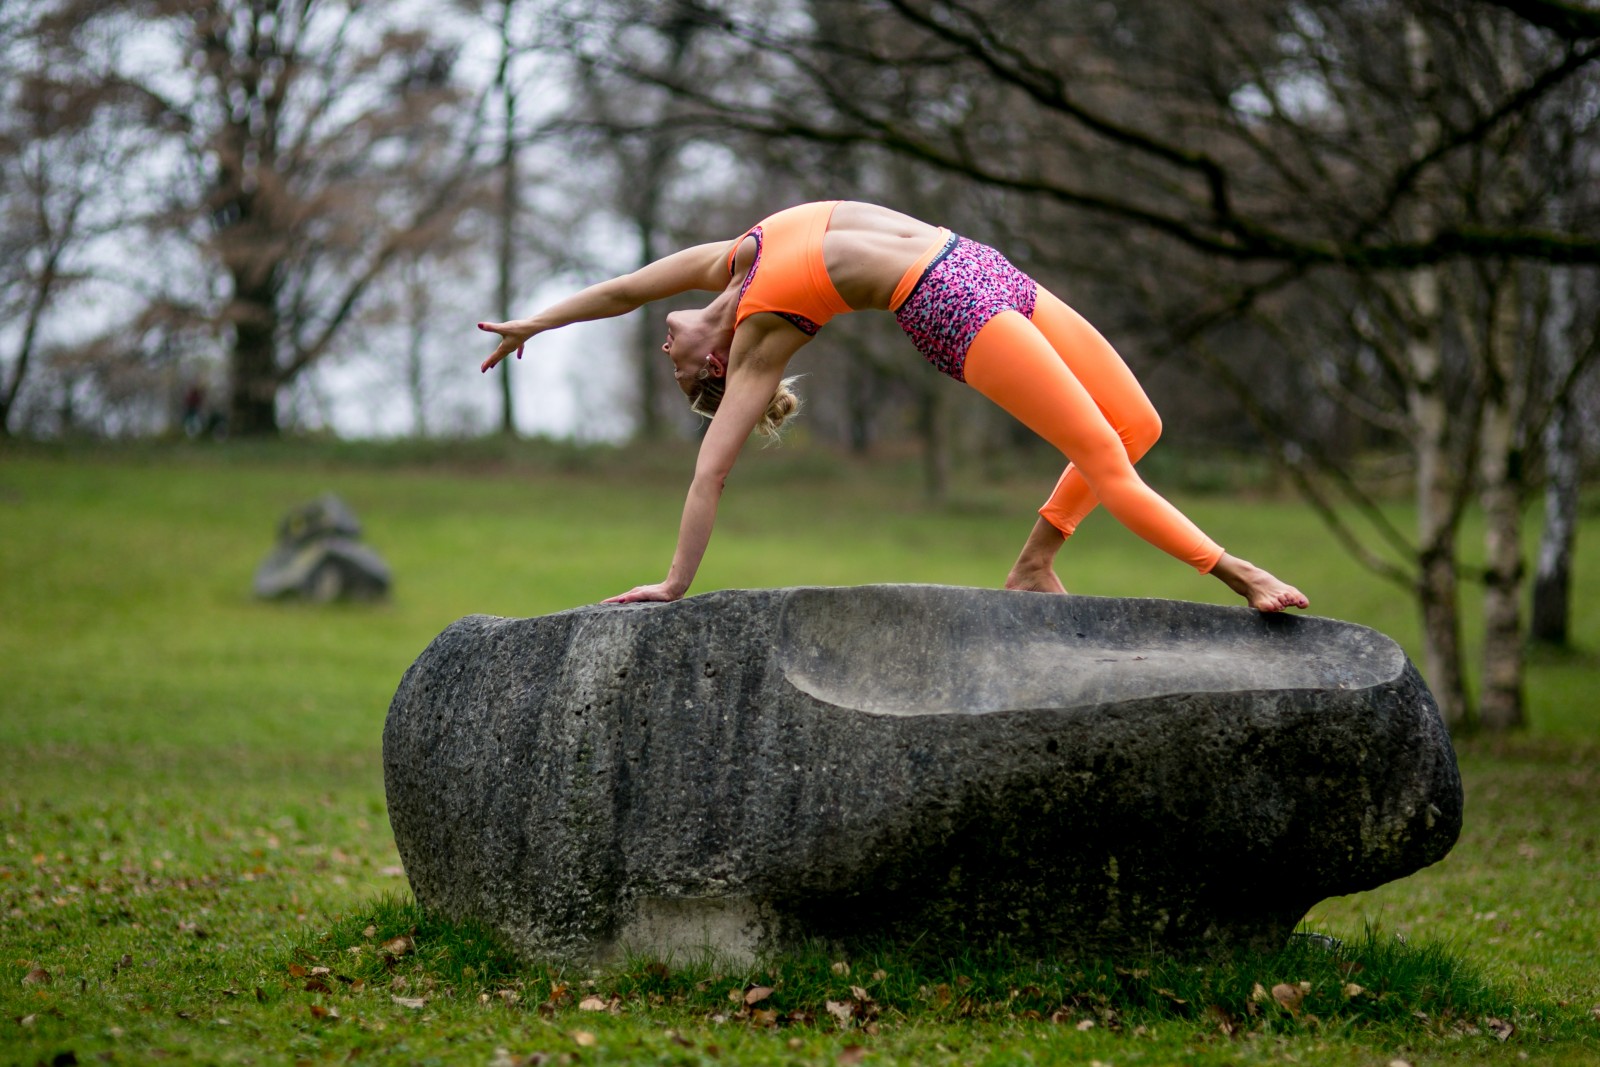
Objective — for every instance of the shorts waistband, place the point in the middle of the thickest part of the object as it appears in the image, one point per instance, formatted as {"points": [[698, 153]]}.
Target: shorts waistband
{"points": [[929, 259]]}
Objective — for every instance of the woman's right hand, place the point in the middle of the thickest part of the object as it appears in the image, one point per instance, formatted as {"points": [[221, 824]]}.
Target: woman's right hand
{"points": [[513, 335]]}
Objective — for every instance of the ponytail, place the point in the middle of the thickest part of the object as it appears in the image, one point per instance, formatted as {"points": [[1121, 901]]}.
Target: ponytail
{"points": [[707, 397]]}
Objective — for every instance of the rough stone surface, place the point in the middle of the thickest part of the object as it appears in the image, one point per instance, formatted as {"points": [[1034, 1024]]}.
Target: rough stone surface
{"points": [[743, 769]]}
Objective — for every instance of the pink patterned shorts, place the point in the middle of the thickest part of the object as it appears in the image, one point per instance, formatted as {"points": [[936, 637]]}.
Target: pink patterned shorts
{"points": [[965, 286]]}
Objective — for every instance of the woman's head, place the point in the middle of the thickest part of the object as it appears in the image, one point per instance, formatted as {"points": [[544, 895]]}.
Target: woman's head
{"points": [[698, 343]]}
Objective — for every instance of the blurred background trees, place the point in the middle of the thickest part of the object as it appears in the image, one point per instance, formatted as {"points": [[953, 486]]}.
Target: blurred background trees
{"points": [[1360, 237]]}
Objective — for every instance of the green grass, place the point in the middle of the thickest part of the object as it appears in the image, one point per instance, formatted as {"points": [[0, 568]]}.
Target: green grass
{"points": [[193, 818]]}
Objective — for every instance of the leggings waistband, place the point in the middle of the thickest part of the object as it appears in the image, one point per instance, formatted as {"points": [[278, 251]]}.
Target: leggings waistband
{"points": [[929, 259]]}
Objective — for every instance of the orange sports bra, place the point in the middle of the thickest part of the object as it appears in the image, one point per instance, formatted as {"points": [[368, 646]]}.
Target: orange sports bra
{"points": [[789, 277]]}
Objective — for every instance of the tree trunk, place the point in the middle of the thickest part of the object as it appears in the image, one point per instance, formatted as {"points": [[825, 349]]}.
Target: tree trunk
{"points": [[419, 312], [1437, 515], [1552, 583], [648, 331], [935, 446], [861, 388], [253, 402], [1500, 471], [506, 261]]}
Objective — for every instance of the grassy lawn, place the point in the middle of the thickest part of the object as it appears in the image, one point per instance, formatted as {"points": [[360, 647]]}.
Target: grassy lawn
{"points": [[197, 865]]}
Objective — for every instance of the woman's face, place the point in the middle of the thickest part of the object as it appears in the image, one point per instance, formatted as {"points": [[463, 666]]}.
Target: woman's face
{"points": [[697, 349]]}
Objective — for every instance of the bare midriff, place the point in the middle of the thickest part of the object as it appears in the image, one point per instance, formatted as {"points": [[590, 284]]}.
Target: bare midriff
{"points": [[869, 251]]}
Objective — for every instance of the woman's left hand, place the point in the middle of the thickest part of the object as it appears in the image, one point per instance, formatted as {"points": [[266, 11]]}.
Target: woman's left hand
{"points": [[660, 591]]}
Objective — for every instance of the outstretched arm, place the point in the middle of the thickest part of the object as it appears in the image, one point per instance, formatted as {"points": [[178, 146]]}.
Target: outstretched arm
{"points": [[752, 379], [701, 267]]}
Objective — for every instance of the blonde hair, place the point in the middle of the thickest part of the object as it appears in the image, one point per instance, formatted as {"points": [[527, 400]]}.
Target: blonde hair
{"points": [[706, 397]]}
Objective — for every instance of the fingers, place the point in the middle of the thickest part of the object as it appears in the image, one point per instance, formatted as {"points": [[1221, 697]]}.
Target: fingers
{"points": [[506, 333], [640, 593]]}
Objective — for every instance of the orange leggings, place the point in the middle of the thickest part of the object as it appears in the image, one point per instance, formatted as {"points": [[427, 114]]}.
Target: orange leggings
{"points": [[1057, 376]]}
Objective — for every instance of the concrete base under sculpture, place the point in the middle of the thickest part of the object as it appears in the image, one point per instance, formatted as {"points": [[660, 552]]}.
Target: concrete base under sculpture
{"points": [[745, 770]]}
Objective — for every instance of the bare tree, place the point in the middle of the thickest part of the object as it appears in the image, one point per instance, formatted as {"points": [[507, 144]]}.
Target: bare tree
{"points": [[315, 144], [61, 159]]}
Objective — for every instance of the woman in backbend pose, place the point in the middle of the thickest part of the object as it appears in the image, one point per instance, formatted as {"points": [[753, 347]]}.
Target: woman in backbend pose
{"points": [[969, 311]]}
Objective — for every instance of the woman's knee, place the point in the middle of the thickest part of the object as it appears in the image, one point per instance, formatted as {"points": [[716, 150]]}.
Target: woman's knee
{"points": [[1141, 432]]}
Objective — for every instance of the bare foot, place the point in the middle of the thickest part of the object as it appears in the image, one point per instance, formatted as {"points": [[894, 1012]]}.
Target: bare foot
{"points": [[1034, 579], [1035, 568], [1259, 588]]}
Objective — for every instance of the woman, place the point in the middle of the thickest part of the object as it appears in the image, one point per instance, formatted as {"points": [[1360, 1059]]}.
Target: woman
{"points": [[968, 311]]}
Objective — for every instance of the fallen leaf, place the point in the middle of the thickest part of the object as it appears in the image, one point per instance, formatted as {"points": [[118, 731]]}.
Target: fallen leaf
{"points": [[860, 994], [317, 985], [879, 975], [756, 994], [320, 1012], [298, 971], [851, 1054], [1399, 1063], [1288, 997], [843, 1010], [765, 1017], [1085, 1024], [1225, 1022], [398, 946], [321, 972], [1172, 997], [28, 1020], [37, 976], [583, 1039], [841, 968], [410, 1002], [591, 1003], [1501, 1029], [371, 931], [1258, 993], [1351, 990]]}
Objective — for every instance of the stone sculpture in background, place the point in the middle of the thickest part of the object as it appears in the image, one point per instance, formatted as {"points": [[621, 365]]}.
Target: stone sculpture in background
{"points": [[747, 769], [319, 557]]}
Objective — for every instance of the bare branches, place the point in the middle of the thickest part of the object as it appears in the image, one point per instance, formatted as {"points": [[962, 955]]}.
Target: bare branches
{"points": [[1573, 22]]}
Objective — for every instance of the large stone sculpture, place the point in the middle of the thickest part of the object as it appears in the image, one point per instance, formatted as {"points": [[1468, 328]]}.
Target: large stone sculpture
{"points": [[745, 769]]}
